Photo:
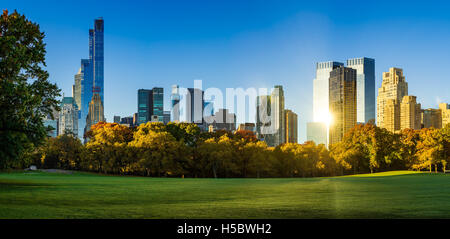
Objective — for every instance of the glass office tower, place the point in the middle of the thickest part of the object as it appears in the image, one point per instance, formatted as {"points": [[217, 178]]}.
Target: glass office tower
{"points": [[365, 85], [150, 103], [96, 48], [320, 90], [91, 73], [85, 73]]}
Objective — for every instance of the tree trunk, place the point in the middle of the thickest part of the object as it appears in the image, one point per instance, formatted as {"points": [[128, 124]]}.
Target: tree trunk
{"points": [[435, 168]]}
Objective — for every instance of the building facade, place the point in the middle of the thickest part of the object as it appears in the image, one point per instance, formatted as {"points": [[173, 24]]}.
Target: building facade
{"points": [[166, 117], [393, 87], [291, 126], [175, 103], [247, 126], [410, 113], [222, 120], [365, 88], [150, 105], [431, 118], [342, 100], [96, 113], [194, 107], [270, 120], [68, 117], [320, 90], [445, 113]]}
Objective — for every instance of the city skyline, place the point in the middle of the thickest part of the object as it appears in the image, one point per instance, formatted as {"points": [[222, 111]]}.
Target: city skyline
{"points": [[244, 56]]}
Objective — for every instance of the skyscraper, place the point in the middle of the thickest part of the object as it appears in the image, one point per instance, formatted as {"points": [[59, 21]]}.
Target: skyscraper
{"points": [[391, 115], [175, 98], [96, 56], [291, 126], [393, 87], [320, 90], [76, 88], [410, 113], [85, 76], [116, 119], [68, 117], [90, 77], [150, 105], [270, 117], [342, 101], [365, 88], [195, 104], [96, 113]]}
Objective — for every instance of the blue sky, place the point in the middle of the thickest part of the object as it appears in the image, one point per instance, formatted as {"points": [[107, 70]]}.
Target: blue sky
{"points": [[244, 44]]}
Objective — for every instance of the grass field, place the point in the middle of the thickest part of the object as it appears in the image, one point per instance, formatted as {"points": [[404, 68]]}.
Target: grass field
{"points": [[399, 194]]}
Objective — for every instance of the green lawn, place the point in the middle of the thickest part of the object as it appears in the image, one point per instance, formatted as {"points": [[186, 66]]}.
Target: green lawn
{"points": [[399, 194]]}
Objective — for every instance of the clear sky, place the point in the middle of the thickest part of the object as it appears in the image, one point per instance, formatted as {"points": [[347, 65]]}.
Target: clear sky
{"points": [[244, 44]]}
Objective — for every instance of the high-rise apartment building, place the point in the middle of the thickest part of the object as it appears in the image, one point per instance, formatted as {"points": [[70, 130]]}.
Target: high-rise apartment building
{"points": [[68, 117], [445, 111], [150, 105], [391, 115], [365, 88], [431, 118], [317, 132], [393, 87], [342, 100], [410, 113], [96, 113], [116, 119], [270, 120], [291, 126], [320, 90]]}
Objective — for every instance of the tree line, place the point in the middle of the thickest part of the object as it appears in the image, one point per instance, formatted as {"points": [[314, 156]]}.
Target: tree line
{"points": [[183, 150]]}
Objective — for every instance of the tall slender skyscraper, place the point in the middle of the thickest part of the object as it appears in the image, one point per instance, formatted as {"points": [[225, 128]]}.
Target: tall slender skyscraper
{"points": [[342, 102], [96, 55], [90, 76], [320, 90], [393, 88], [365, 88]]}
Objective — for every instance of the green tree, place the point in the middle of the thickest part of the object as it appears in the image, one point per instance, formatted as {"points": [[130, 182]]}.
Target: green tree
{"points": [[26, 95]]}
